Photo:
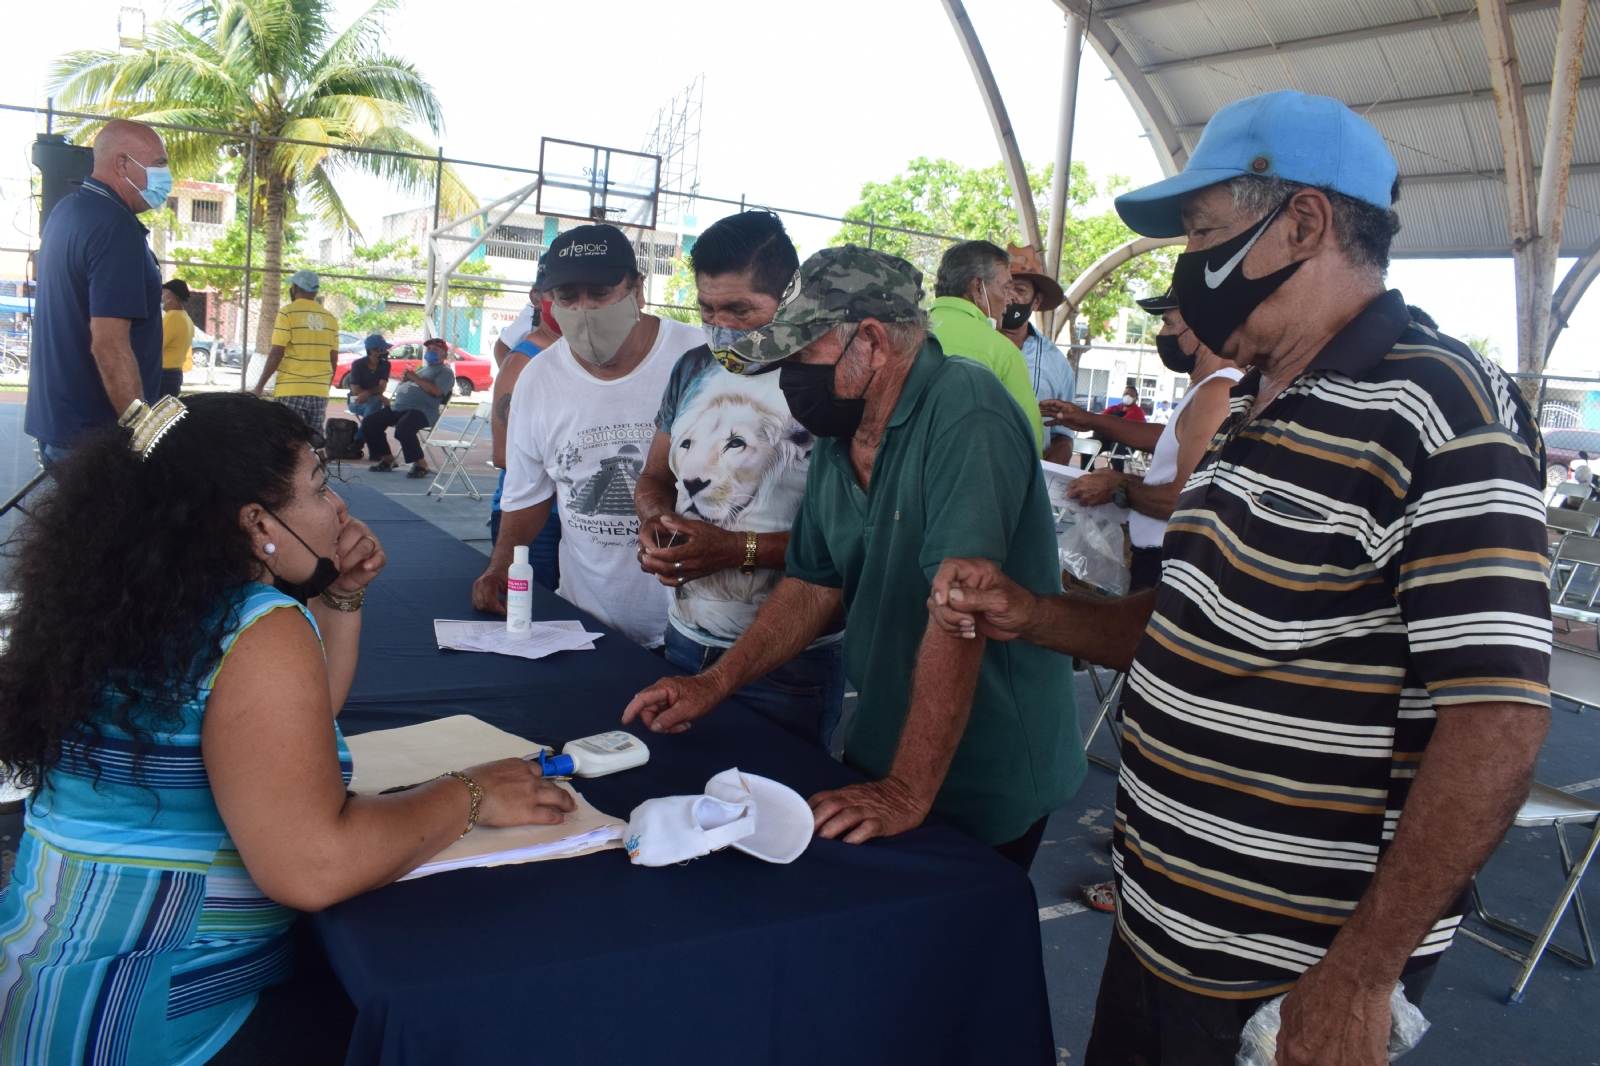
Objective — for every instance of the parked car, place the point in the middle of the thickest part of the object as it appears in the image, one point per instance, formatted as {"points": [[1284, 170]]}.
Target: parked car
{"points": [[473, 372], [205, 348], [1562, 447]]}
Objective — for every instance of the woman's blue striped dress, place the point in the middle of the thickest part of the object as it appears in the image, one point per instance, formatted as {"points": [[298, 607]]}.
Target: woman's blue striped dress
{"points": [[130, 932]]}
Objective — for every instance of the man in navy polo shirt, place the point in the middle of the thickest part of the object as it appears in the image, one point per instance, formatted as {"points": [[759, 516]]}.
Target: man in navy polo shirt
{"points": [[97, 335]]}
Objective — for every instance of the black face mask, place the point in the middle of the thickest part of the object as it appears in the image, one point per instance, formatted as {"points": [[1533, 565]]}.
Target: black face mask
{"points": [[1173, 357], [808, 387], [1015, 315], [1216, 300], [325, 574]]}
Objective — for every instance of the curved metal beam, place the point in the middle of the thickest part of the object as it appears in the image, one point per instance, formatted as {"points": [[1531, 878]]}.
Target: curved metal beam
{"points": [[1573, 286], [1164, 139], [1101, 268], [1010, 152]]}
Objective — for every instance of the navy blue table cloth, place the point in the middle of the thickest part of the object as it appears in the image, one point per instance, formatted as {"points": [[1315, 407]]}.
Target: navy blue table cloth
{"points": [[923, 948]]}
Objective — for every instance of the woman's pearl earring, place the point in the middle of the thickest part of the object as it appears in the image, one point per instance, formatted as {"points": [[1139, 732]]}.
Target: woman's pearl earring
{"points": [[271, 547]]}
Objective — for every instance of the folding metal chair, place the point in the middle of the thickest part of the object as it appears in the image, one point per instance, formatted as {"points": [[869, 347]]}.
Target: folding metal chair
{"points": [[1564, 521], [1575, 676], [1087, 448], [1575, 553], [1571, 488], [1589, 507], [1546, 806], [1107, 713], [452, 453], [1573, 614]]}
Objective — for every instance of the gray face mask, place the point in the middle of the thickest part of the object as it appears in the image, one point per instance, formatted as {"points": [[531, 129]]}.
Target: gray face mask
{"points": [[596, 334]]}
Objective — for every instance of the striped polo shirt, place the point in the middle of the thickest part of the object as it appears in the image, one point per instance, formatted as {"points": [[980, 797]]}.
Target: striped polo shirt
{"points": [[308, 333], [1368, 550]]}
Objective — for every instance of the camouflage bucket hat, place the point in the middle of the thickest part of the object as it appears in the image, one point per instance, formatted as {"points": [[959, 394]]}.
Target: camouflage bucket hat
{"points": [[845, 284]]}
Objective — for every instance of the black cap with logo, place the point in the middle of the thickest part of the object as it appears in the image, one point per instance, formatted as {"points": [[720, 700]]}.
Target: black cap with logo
{"points": [[588, 255]]}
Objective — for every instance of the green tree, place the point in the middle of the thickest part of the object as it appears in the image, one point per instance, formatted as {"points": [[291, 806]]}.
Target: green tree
{"points": [[938, 196], [281, 67], [227, 251]]}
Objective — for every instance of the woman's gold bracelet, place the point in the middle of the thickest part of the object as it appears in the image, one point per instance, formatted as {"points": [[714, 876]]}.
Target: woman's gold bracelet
{"points": [[348, 604], [477, 798]]}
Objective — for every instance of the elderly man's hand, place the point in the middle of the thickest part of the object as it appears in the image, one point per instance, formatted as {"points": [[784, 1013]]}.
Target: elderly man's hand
{"points": [[973, 597], [488, 592], [1333, 1019], [360, 557], [672, 703], [1095, 488], [698, 549], [875, 809], [1062, 413]]}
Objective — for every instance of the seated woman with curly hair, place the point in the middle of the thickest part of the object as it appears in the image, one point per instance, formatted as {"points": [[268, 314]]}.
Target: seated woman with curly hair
{"points": [[185, 631]]}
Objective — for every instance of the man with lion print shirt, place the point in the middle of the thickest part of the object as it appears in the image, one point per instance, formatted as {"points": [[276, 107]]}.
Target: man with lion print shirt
{"points": [[724, 479]]}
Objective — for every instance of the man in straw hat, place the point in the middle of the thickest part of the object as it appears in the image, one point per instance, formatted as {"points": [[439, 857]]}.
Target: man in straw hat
{"points": [[1049, 371]]}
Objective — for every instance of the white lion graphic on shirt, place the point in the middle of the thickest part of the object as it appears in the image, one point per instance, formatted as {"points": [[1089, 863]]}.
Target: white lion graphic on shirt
{"points": [[741, 464]]}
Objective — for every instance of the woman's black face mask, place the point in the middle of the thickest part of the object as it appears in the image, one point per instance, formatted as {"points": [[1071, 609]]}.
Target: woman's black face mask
{"points": [[325, 574], [1215, 301], [808, 387]]}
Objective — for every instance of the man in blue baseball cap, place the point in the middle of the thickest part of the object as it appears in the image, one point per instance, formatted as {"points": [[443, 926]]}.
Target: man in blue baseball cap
{"points": [[1337, 691], [368, 381]]}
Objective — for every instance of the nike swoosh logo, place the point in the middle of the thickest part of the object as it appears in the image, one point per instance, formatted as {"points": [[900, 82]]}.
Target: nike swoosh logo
{"points": [[1215, 278]]}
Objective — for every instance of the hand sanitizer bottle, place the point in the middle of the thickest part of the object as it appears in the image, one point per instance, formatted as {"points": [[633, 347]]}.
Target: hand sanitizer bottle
{"points": [[519, 595]]}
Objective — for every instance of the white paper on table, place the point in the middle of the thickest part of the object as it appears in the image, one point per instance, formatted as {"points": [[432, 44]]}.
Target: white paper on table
{"points": [[541, 641], [448, 633], [585, 830], [392, 758]]}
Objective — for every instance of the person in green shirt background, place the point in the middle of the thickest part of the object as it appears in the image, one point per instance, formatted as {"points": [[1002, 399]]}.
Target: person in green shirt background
{"points": [[970, 295], [918, 458]]}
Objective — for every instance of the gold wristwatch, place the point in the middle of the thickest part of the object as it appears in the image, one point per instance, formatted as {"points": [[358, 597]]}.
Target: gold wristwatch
{"points": [[749, 564]]}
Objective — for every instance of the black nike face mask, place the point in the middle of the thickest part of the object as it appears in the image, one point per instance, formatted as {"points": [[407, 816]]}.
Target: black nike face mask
{"points": [[1213, 293]]}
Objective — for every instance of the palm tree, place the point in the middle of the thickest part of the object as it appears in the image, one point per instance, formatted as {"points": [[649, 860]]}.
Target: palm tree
{"points": [[280, 67]]}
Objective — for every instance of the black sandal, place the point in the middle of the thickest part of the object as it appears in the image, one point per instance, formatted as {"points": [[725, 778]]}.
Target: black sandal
{"points": [[382, 466], [418, 471]]}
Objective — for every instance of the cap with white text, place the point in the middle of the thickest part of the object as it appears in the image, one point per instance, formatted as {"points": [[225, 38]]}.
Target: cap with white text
{"points": [[588, 255]]}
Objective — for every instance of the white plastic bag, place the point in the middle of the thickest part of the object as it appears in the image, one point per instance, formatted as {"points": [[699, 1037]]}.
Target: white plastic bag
{"points": [[1258, 1041], [1091, 548]]}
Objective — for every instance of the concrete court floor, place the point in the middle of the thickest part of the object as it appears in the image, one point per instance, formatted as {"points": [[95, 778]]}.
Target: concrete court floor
{"points": [[1559, 1022]]}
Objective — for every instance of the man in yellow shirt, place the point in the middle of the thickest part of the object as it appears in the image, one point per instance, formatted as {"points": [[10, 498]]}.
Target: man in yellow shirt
{"points": [[177, 336], [969, 297], [304, 352]]}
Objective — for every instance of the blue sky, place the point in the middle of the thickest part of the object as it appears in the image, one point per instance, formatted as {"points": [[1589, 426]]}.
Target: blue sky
{"points": [[800, 108]]}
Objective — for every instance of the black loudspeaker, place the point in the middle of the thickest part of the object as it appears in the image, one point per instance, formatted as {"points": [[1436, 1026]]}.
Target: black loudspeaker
{"points": [[62, 168]]}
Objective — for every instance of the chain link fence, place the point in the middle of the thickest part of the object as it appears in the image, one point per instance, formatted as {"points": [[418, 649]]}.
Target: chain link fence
{"points": [[1568, 412]]}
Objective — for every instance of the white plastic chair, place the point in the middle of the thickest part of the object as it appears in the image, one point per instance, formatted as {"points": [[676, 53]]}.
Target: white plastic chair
{"points": [[452, 454]]}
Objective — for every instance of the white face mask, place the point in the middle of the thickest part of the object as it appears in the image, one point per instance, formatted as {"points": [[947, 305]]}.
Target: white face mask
{"points": [[596, 334]]}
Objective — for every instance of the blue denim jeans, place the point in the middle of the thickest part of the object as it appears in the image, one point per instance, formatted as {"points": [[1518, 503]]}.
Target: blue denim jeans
{"points": [[805, 695], [362, 410]]}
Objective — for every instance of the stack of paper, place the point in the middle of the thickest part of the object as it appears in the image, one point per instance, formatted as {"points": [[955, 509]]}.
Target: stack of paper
{"points": [[1058, 479], [545, 638], [585, 830], [387, 759]]}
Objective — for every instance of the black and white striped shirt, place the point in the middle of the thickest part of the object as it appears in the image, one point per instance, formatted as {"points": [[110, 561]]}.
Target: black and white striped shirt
{"points": [[1366, 552]]}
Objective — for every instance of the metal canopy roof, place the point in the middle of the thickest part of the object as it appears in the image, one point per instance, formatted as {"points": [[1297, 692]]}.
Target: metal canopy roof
{"points": [[1415, 68]]}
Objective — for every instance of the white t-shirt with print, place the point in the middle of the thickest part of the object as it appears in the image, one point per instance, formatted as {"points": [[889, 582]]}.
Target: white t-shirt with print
{"points": [[571, 433]]}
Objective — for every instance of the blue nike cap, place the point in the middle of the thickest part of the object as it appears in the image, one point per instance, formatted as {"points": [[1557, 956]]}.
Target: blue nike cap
{"points": [[1311, 140]]}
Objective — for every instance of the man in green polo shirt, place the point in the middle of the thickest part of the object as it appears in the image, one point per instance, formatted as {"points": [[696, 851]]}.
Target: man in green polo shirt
{"points": [[974, 278], [917, 457]]}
